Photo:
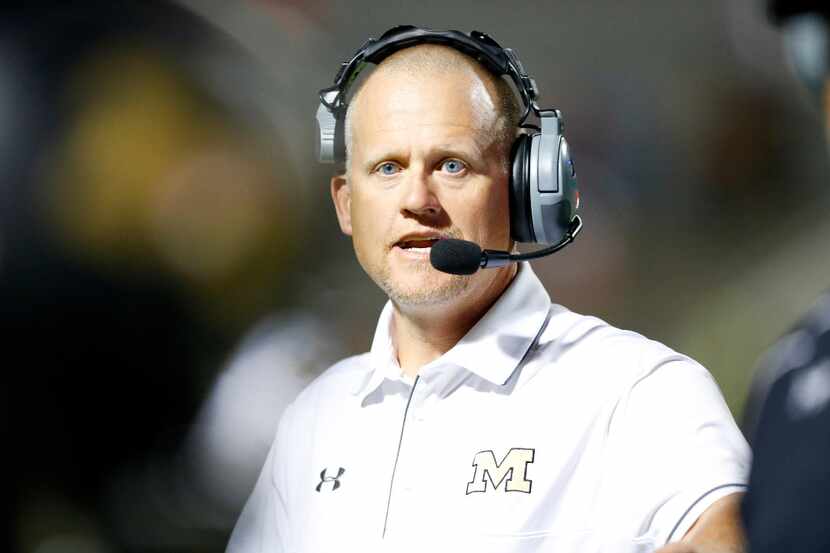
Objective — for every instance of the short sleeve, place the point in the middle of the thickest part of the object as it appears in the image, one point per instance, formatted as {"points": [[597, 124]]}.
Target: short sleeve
{"points": [[263, 525], [676, 446]]}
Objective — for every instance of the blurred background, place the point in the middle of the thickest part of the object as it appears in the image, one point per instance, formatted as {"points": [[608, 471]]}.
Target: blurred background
{"points": [[171, 272]]}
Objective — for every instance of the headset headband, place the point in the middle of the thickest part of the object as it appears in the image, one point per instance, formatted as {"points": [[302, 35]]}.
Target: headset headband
{"points": [[500, 61]]}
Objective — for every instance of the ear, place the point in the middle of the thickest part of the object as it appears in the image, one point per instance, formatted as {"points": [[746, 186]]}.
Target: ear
{"points": [[341, 195]]}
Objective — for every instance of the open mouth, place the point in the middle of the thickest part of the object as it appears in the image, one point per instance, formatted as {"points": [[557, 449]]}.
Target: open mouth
{"points": [[417, 244]]}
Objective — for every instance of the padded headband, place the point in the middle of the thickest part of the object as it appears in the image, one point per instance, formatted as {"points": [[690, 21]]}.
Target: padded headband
{"points": [[500, 61]]}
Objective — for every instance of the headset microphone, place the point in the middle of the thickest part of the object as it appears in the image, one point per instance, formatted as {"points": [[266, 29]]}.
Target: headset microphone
{"points": [[460, 257]]}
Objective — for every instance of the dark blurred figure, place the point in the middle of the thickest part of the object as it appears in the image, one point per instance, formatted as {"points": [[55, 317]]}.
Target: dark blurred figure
{"points": [[97, 359], [788, 414], [137, 241]]}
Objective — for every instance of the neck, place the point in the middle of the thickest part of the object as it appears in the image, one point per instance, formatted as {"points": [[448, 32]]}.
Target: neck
{"points": [[423, 334]]}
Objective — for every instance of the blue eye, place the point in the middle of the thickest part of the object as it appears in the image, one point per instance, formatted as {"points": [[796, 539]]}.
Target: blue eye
{"points": [[387, 168], [453, 166]]}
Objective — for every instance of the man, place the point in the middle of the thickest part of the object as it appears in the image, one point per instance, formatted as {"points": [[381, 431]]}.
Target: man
{"points": [[788, 502], [484, 417]]}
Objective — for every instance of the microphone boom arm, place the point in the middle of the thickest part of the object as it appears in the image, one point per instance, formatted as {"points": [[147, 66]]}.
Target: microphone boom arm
{"points": [[498, 258]]}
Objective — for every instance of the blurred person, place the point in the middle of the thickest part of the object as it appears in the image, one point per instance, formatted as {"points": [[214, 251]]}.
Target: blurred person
{"points": [[236, 424], [788, 413], [86, 343], [484, 417], [140, 237]]}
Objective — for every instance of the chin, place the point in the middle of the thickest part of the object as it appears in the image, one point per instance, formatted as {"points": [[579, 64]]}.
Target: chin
{"points": [[423, 288]]}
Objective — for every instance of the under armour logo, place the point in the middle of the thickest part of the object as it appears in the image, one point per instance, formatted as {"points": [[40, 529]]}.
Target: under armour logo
{"points": [[334, 480], [512, 471]]}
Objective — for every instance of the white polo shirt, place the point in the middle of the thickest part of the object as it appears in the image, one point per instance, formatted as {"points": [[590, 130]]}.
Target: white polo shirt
{"points": [[541, 430]]}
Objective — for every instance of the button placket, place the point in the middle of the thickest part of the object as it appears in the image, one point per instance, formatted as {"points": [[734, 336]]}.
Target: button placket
{"points": [[398, 510], [415, 443]]}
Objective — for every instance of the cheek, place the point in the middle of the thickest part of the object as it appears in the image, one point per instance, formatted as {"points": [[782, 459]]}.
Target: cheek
{"points": [[492, 214], [500, 207], [368, 221]]}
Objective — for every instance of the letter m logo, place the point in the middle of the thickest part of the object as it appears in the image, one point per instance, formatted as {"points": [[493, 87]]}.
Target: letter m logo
{"points": [[512, 470]]}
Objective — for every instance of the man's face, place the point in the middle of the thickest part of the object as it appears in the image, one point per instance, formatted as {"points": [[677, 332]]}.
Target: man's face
{"points": [[424, 164]]}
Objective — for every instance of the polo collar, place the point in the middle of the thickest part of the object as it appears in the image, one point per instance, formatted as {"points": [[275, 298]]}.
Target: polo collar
{"points": [[493, 347]]}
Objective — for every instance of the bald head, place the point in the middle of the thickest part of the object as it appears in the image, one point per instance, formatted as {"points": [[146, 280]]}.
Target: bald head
{"points": [[494, 104]]}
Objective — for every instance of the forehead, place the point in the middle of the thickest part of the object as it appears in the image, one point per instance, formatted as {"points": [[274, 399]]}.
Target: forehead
{"points": [[455, 101]]}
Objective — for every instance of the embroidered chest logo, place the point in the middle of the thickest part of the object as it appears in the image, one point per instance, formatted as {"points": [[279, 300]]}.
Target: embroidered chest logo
{"points": [[330, 481], [512, 471]]}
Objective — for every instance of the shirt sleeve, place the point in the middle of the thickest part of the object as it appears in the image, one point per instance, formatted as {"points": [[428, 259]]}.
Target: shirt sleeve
{"points": [[263, 525], [677, 446]]}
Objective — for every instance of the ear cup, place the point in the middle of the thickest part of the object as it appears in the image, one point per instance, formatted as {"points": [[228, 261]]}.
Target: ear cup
{"points": [[330, 145], [521, 227], [326, 130]]}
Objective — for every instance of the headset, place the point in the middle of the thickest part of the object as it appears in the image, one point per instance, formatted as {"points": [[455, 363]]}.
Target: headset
{"points": [[543, 189]]}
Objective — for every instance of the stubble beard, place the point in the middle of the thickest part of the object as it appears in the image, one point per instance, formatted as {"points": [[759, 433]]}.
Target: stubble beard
{"points": [[429, 293]]}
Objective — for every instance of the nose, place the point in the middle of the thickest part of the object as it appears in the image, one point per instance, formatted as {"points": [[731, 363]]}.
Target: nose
{"points": [[419, 198]]}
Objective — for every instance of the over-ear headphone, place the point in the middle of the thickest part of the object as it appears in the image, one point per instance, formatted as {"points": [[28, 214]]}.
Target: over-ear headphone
{"points": [[543, 189]]}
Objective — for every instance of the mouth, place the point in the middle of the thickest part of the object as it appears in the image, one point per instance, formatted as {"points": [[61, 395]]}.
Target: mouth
{"points": [[417, 244]]}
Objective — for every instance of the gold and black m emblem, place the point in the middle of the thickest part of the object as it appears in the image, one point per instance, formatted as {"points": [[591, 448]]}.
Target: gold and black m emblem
{"points": [[512, 470]]}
